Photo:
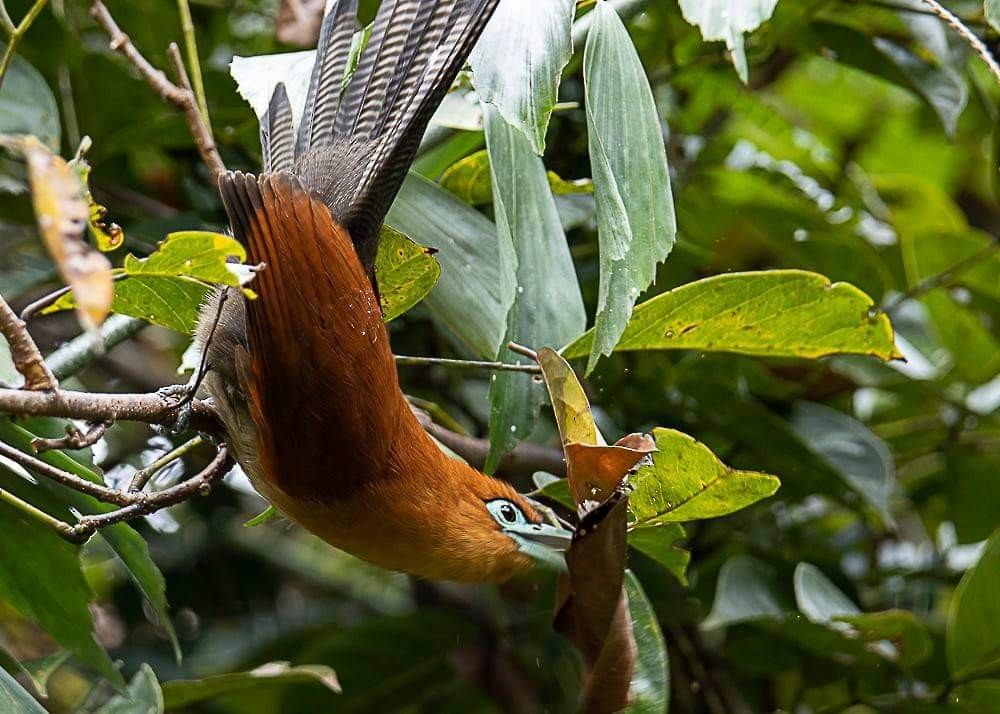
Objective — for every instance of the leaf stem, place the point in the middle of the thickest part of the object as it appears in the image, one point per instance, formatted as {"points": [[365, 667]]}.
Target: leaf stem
{"points": [[191, 50], [16, 33], [468, 364]]}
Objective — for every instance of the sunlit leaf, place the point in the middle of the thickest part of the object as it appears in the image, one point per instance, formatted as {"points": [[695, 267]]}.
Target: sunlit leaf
{"points": [[62, 212], [660, 544], [405, 272], [780, 313], [745, 591], [973, 635], [472, 296], [727, 20], [635, 209], [519, 59], [169, 287], [548, 307], [184, 692], [687, 482]]}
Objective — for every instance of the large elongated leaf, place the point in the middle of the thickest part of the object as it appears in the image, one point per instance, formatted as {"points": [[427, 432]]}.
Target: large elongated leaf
{"points": [[548, 307], [519, 59], [727, 20], [686, 482], [40, 577], [130, 547], [973, 636], [473, 294], [851, 449], [650, 686], [781, 313], [635, 210], [13, 697], [184, 692]]}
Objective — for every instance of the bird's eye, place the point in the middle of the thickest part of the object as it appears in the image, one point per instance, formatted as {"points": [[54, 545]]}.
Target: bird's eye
{"points": [[505, 512]]}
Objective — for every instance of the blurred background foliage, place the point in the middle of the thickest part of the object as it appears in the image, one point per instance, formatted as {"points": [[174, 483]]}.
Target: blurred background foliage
{"points": [[864, 147]]}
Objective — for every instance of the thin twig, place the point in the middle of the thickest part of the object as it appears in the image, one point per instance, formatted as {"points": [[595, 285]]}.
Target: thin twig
{"points": [[966, 34], [27, 359], [522, 350], [942, 278], [468, 364], [143, 475], [191, 48], [32, 308], [157, 408], [180, 96], [62, 528], [82, 485], [74, 439], [16, 33]]}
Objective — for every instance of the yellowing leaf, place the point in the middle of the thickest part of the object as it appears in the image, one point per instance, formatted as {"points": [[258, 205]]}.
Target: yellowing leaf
{"points": [[169, 286], [62, 212], [687, 482], [569, 402], [406, 273], [780, 313], [470, 180], [107, 235]]}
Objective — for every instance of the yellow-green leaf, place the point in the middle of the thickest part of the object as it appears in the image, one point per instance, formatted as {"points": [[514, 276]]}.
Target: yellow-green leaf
{"points": [[779, 313], [405, 272], [659, 542], [569, 402], [107, 235], [973, 635], [687, 482], [470, 180]]}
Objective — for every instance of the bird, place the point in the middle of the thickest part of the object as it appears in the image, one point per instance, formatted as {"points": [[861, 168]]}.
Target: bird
{"points": [[303, 376]]}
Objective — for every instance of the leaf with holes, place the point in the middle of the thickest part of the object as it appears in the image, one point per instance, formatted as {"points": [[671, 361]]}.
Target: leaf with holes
{"points": [[405, 272]]}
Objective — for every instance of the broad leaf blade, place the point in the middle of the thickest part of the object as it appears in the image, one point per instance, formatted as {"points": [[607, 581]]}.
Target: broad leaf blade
{"points": [[650, 685], [727, 20], [13, 697], [687, 482], [635, 210], [405, 272], [519, 59], [779, 313], [745, 592], [474, 293], [973, 635], [659, 544], [27, 106], [548, 308]]}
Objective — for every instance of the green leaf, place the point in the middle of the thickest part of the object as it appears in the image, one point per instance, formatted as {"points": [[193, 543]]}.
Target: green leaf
{"points": [[168, 287], [776, 313], [992, 9], [650, 686], [980, 696], [14, 699], [548, 307], [973, 635], [727, 20], [686, 482], [185, 692], [268, 514], [40, 577], [519, 59], [107, 236], [974, 498], [471, 298], [901, 628], [26, 104], [857, 455], [659, 543], [405, 272], [636, 227], [744, 592], [144, 696], [129, 547], [470, 180], [818, 598]]}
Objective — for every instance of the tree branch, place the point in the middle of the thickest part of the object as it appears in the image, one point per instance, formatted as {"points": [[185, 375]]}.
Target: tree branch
{"points": [[27, 359], [182, 97]]}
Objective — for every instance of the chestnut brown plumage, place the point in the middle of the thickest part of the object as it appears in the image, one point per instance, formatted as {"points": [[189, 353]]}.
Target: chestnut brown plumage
{"points": [[303, 376]]}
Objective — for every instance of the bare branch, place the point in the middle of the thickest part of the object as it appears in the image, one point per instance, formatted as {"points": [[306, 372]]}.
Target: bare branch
{"points": [[180, 96], [74, 439], [27, 359]]}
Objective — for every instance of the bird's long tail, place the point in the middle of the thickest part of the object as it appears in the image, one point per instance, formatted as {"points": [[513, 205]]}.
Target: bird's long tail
{"points": [[356, 141]]}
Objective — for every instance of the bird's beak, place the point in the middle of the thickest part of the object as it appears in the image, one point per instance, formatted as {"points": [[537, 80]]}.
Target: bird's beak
{"points": [[544, 542]]}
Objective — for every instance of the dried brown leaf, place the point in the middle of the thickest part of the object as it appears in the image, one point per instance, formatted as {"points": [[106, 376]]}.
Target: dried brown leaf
{"points": [[62, 211], [594, 472]]}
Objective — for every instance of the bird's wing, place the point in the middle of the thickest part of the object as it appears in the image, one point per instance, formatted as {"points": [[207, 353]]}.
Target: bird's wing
{"points": [[356, 142]]}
